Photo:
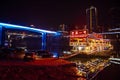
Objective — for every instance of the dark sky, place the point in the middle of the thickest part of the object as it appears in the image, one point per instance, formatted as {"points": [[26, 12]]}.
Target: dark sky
{"points": [[52, 13]]}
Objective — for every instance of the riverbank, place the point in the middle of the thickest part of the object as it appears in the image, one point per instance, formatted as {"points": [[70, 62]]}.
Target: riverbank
{"points": [[43, 69]]}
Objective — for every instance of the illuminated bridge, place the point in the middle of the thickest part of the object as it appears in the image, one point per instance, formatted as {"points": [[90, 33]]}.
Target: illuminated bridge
{"points": [[4, 27]]}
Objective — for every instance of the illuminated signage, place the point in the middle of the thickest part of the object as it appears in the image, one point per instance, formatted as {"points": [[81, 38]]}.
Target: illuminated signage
{"points": [[80, 36], [77, 37], [79, 33]]}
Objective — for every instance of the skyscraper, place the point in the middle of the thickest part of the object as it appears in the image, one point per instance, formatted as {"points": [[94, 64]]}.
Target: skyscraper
{"points": [[91, 17]]}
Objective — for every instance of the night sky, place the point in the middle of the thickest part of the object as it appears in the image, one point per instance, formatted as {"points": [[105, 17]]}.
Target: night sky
{"points": [[52, 13]]}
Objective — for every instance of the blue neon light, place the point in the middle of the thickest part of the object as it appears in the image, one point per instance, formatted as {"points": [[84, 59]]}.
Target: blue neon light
{"points": [[43, 41], [0, 35], [11, 26], [55, 54]]}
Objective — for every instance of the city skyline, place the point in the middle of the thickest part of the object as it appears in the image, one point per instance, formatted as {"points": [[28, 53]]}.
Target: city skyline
{"points": [[53, 13]]}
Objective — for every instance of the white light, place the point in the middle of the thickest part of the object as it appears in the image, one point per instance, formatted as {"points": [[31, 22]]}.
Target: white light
{"points": [[80, 48]]}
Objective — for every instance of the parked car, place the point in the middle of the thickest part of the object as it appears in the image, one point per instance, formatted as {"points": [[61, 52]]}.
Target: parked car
{"points": [[29, 56], [44, 54]]}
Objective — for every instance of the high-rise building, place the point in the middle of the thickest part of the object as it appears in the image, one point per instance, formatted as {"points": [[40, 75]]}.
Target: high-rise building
{"points": [[91, 17]]}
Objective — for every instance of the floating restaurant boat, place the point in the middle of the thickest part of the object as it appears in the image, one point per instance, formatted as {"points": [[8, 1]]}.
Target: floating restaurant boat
{"points": [[83, 42]]}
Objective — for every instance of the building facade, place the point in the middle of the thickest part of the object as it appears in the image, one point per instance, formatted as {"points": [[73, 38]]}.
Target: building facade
{"points": [[91, 17]]}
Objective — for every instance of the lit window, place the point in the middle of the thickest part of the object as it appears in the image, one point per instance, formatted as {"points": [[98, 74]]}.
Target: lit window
{"points": [[72, 33], [84, 32], [76, 32]]}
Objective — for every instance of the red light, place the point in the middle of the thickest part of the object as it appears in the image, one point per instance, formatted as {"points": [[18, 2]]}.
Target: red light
{"points": [[76, 32], [80, 32], [72, 33], [84, 32]]}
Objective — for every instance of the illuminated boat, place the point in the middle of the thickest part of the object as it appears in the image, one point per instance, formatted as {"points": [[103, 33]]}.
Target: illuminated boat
{"points": [[83, 42]]}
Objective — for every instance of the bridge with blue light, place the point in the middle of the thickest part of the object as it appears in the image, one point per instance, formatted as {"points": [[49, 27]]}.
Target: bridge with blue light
{"points": [[5, 26]]}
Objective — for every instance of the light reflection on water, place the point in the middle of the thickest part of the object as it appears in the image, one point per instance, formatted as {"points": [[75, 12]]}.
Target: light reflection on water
{"points": [[80, 79]]}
